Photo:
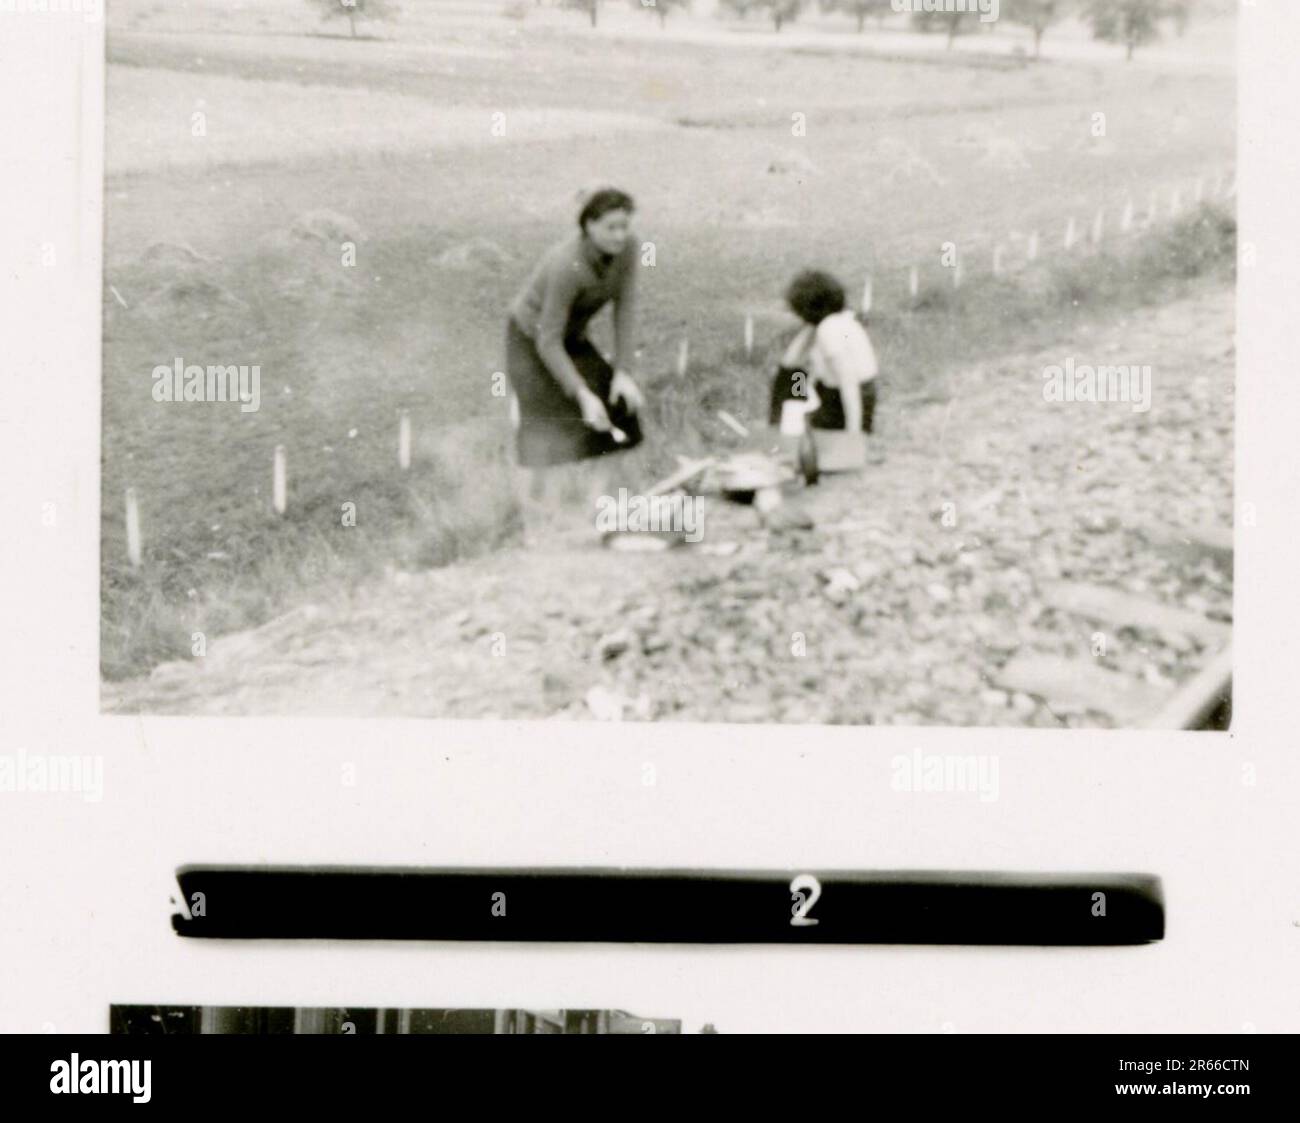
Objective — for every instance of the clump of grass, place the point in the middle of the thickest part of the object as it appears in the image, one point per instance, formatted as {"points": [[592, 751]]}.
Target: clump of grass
{"points": [[1203, 243], [458, 501], [918, 340]]}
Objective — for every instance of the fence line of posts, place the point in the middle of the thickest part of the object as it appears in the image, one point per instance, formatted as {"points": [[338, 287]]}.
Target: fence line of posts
{"points": [[1220, 188]]}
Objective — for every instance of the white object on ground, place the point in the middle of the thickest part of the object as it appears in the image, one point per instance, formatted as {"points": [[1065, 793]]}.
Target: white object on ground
{"points": [[279, 489], [732, 424], [132, 528]]}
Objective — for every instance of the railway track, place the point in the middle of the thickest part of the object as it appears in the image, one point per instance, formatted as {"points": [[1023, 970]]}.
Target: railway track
{"points": [[1203, 701]]}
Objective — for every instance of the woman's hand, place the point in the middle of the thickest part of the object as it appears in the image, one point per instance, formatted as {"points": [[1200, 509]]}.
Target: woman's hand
{"points": [[594, 415], [624, 389]]}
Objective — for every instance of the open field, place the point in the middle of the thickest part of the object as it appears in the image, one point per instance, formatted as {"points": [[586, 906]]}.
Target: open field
{"points": [[226, 248]]}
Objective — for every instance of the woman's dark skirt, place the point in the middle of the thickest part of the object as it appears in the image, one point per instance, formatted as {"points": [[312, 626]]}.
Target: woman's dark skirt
{"points": [[551, 429], [830, 414]]}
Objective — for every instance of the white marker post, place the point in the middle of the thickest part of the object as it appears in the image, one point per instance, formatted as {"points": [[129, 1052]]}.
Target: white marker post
{"points": [[866, 296], [913, 282], [683, 357], [1126, 219], [132, 529], [732, 424], [956, 273], [1033, 246], [749, 337], [279, 498], [404, 441], [1098, 227]]}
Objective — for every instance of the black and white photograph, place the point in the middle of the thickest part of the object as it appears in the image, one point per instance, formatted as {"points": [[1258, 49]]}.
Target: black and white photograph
{"points": [[817, 362], [262, 1021], [660, 517]]}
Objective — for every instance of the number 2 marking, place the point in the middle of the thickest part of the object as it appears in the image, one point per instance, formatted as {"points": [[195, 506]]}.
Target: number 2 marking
{"points": [[804, 883]]}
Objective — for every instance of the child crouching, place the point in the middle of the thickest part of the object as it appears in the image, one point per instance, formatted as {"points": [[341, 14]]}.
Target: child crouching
{"points": [[833, 353]]}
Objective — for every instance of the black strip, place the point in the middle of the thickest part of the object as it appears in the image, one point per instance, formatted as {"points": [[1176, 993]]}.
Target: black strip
{"points": [[662, 906], [352, 1076]]}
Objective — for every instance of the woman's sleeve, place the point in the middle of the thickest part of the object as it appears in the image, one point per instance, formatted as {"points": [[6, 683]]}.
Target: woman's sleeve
{"points": [[625, 318], [560, 288]]}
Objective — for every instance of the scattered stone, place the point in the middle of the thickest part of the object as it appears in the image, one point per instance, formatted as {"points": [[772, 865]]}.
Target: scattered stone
{"points": [[654, 643], [615, 644], [1023, 704], [842, 577]]}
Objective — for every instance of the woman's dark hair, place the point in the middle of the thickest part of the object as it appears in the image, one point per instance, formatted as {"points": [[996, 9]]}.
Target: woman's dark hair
{"points": [[602, 202], [814, 295]]}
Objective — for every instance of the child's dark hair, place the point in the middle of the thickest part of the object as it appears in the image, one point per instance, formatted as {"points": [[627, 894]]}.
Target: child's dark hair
{"points": [[602, 202], [814, 295]]}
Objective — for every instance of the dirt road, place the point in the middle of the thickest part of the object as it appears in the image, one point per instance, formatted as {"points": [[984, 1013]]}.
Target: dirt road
{"points": [[920, 580]]}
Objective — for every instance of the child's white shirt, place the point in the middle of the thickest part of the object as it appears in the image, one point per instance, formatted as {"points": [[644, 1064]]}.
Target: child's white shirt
{"points": [[837, 351], [841, 354]]}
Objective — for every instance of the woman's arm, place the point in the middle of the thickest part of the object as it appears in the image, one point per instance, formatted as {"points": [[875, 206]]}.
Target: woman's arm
{"points": [[560, 287], [851, 396], [625, 315]]}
